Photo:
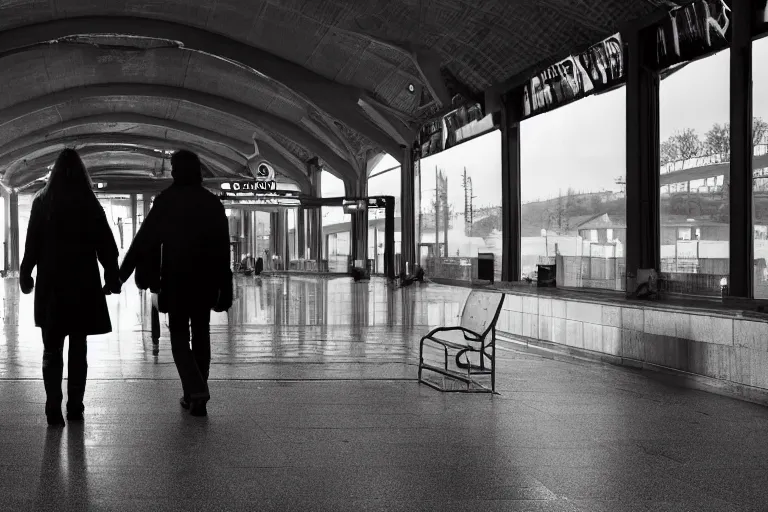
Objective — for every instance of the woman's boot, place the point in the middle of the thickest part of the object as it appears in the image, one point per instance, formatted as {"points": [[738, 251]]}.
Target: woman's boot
{"points": [[78, 373], [53, 367]]}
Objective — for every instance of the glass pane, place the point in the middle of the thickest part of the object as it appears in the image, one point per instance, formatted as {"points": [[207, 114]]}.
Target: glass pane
{"points": [[760, 164], [695, 170], [573, 192], [336, 225], [460, 209], [384, 184]]}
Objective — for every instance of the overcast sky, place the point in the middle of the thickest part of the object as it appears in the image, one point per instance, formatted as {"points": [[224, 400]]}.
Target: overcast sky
{"points": [[582, 145]]}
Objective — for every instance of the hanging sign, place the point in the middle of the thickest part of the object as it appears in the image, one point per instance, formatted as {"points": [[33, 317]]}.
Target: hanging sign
{"points": [[250, 186], [604, 63], [431, 138], [696, 29], [600, 67]]}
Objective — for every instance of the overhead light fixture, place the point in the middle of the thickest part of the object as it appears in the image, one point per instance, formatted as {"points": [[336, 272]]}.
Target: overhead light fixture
{"points": [[691, 220], [411, 88]]}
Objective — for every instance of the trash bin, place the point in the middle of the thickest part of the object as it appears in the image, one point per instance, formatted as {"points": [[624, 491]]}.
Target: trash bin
{"points": [[485, 264], [546, 276]]}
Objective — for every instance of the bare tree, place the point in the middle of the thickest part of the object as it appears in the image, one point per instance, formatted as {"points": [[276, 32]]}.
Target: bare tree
{"points": [[759, 131], [688, 143], [718, 140], [668, 152]]}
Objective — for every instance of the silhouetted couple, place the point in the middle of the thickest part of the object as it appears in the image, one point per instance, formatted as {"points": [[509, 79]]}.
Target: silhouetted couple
{"points": [[181, 252]]}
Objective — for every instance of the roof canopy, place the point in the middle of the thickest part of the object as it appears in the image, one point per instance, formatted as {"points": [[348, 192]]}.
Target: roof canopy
{"points": [[338, 80]]}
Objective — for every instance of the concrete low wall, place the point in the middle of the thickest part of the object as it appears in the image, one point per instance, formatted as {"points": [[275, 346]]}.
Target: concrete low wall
{"points": [[730, 348]]}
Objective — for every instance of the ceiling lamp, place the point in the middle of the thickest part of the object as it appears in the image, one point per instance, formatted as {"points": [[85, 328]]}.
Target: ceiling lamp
{"points": [[411, 88]]}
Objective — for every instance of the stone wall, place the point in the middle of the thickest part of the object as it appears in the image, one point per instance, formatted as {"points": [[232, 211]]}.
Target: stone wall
{"points": [[726, 346]]}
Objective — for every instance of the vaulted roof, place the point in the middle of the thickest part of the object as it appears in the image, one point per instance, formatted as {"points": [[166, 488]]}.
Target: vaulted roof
{"points": [[340, 80]]}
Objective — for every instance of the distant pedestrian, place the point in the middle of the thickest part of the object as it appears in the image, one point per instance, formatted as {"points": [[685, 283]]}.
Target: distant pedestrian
{"points": [[188, 231], [120, 230], [68, 231]]}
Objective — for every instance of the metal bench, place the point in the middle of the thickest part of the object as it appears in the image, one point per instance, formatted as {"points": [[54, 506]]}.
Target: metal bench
{"points": [[476, 334]]}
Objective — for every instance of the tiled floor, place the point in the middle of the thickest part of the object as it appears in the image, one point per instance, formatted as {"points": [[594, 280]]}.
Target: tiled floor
{"points": [[315, 407]]}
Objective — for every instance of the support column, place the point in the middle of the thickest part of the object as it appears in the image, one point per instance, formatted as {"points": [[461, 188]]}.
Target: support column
{"points": [[741, 242], [301, 243], [146, 200], [511, 115], [285, 250], [134, 214], [643, 249], [12, 233], [243, 245], [407, 209], [389, 238], [360, 224], [315, 214], [273, 241]]}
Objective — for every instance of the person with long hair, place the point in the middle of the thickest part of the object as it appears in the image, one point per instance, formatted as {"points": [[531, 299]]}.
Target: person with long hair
{"points": [[68, 232]]}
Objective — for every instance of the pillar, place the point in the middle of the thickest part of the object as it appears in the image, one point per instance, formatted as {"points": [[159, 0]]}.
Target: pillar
{"points": [[407, 209], [285, 247], [12, 233], [242, 246], [273, 242], [389, 238], [643, 249], [146, 200], [301, 243], [741, 236], [511, 115], [315, 215], [134, 215], [359, 229]]}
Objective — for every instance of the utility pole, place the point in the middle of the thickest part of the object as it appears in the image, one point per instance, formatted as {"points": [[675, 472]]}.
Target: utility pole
{"points": [[437, 213], [446, 212], [469, 210]]}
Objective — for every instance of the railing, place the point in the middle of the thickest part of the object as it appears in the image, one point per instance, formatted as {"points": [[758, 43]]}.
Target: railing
{"points": [[700, 161]]}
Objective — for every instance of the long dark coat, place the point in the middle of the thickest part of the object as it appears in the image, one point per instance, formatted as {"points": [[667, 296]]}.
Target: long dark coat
{"points": [[187, 232], [65, 245]]}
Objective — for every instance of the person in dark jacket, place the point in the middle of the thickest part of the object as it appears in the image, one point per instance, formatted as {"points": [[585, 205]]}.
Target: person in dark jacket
{"points": [[68, 231], [188, 231]]}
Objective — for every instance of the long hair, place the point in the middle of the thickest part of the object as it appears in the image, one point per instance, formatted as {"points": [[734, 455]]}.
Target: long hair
{"points": [[69, 184]]}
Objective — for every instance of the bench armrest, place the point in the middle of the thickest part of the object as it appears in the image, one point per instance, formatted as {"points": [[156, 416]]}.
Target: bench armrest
{"points": [[474, 335]]}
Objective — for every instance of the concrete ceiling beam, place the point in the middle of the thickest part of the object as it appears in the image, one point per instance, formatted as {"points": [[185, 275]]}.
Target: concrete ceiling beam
{"points": [[337, 100], [47, 153], [394, 128], [246, 113], [52, 146], [19, 159], [292, 169]]}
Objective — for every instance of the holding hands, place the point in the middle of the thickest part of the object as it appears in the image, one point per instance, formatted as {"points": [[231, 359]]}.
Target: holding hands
{"points": [[113, 286], [26, 283]]}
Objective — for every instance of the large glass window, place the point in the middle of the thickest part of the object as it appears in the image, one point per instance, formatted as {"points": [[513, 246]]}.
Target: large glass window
{"points": [[459, 212], [760, 164], [384, 181], [695, 172], [573, 212]]}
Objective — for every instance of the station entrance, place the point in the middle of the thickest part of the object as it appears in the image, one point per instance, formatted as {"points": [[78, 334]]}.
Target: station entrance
{"points": [[275, 222]]}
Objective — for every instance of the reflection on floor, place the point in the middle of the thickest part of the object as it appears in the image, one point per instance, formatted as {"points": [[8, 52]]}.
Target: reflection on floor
{"points": [[323, 327], [563, 436]]}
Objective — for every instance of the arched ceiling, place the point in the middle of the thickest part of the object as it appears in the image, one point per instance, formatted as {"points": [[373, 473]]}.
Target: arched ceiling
{"points": [[323, 78]]}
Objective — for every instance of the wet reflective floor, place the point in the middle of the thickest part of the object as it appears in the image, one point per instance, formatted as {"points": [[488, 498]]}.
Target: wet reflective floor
{"points": [[344, 426], [278, 327]]}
